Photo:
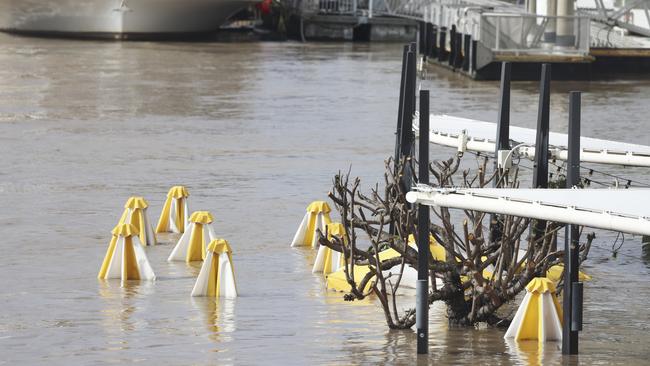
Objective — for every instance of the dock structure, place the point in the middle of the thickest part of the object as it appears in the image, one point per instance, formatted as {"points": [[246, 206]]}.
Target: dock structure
{"points": [[354, 20], [475, 36]]}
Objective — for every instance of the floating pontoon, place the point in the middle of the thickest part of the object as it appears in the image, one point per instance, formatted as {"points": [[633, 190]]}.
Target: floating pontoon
{"points": [[479, 136]]}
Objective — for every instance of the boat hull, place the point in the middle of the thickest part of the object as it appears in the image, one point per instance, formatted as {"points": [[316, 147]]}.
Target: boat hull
{"points": [[116, 17]]}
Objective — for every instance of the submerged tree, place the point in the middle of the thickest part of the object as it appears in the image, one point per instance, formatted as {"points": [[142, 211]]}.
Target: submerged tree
{"points": [[489, 259]]}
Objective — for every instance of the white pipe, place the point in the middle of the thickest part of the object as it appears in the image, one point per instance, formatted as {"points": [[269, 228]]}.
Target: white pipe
{"points": [[531, 209]]}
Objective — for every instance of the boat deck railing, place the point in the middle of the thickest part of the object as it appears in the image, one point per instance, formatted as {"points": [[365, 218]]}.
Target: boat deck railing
{"points": [[522, 33]]}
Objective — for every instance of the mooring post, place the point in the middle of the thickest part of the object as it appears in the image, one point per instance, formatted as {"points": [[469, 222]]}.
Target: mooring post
{"points": [[452, 45], [540, 167], [434, 42], [421, 37], [572, 291], [402, 89], [472, 65], [503, 122], [502, 146], [467, 42], [422, 290], [458, 60], [429, 44], [408, 108], [442, 52]]}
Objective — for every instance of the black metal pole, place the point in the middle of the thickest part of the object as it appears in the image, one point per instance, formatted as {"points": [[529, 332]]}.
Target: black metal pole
{"points": [[540, 171], [571, 296], [502, 140], [467, 43], [452, 45], [408, 108], [422, 37], [458, 60], [442, 51], [503, 124], [429, 44], [473, 64], [402, 89], [540, 167], [434, 42], [422, 291]]}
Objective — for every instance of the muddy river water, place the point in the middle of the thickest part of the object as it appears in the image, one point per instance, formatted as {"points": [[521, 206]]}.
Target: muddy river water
{"points": [[255, 131]]}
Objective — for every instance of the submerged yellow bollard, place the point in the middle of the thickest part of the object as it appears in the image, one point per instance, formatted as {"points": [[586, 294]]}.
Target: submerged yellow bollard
{"points": [[135, 213], [328, 260], [174, 215], [539, 316], [217, 276], [317, 217], [125, 257], [193, 243], [337, 280]]}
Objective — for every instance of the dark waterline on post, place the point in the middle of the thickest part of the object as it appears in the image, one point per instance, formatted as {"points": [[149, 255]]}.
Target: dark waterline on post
{"points": [[572, 304]]}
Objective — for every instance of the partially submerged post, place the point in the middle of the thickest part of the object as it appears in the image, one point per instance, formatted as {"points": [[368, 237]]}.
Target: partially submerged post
{"points": [[502, 146], [503, 123], [467, 43], [429, 44], [398, 131], [422, 287], [442, 49], [571, 298], [540, 168], [408, 108]]}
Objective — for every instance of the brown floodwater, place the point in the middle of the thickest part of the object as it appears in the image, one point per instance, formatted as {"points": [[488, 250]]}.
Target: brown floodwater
{"points": [[255, 131]]}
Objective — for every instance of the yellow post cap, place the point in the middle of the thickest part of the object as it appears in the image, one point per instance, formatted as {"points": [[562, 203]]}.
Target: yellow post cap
{"points": [[136, 202], [540, 285], [219, 246], [178, 192], [318, 206], [125, 230], [201, 217]]}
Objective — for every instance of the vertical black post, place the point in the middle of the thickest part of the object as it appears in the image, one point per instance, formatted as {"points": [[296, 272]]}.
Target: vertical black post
{"points": [[467, 42], [503, 124], [442, 52], [422, 37], [402, 89], [540, 167], [434, 42], [540, 171], [408, 108], [472, 65], [571, 298], [458, 61], [502, 141], [452, 45], [429, 45], [422, 290]]}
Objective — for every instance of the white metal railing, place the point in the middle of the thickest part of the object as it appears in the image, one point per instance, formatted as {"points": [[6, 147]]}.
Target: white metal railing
{"points": [[529, 33], [342, 7]]}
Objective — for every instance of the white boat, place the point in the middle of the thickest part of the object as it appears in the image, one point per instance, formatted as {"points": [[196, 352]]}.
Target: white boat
{"points": [[116, 18]]}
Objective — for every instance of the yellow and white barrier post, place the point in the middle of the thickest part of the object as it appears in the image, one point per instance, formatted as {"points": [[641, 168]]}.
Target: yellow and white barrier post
{"points": [[328, 260], [125, 257], [539, 316], [193, 243], [217, 276], [135, 213], [317, 217], [174, 215]]}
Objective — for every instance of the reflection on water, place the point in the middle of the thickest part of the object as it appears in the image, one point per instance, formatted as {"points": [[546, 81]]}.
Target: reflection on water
{"points": [[256, 131], [219, 317]]}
